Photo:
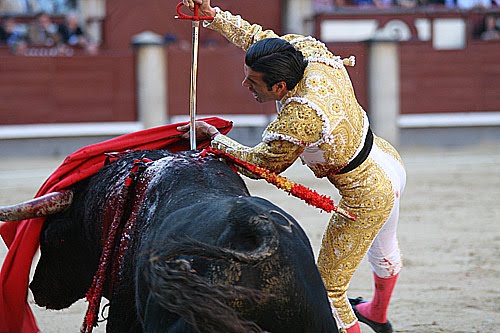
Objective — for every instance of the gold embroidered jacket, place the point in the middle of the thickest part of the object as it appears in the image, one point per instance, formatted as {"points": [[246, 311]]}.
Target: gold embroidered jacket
{"points": [[319, 121]]}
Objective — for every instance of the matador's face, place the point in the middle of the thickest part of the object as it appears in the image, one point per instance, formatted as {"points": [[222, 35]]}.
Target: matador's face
{"points": [[254, 82]]}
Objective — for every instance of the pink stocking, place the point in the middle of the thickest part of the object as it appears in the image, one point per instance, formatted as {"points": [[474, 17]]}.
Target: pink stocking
{"points": [[376, 309]]}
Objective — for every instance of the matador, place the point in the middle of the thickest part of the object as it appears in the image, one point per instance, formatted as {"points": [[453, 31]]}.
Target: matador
{"points": [[320, 121]]}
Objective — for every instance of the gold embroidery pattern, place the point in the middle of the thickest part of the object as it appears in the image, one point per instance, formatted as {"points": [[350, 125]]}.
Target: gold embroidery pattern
{"points": [[275, 156], [323, 88], [238, 31], [308, 46], [320, 170], [299, 122], [387, 148], [341, 150], [367, 192], [328, 91]]}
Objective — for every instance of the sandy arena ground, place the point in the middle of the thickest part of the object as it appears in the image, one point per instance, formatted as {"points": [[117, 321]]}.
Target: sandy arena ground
{"points": [[449, 234]]}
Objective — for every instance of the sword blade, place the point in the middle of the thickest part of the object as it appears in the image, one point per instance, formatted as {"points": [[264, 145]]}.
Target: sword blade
{"points": [[194, 71]]}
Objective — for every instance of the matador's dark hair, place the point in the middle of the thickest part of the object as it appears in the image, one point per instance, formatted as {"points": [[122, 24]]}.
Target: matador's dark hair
{"points": [[278, 60]]}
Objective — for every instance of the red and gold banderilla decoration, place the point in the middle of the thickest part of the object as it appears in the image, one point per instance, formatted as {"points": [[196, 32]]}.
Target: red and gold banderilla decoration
{"points": [[311, 197]]}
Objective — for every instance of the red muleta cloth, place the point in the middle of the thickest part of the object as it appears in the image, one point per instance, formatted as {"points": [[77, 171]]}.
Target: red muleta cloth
{"points": [[22, 237]]}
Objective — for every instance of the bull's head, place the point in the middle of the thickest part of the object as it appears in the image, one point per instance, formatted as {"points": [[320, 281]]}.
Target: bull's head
{"points": [[64, 271]]}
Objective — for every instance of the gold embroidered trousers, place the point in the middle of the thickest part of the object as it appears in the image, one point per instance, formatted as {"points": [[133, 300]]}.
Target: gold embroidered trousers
{"points": [[372, 192]]}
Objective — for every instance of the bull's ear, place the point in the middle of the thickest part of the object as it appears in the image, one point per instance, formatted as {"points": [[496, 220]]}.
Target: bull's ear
{"points": [[45, 205], [59, 230], [252, 233]]}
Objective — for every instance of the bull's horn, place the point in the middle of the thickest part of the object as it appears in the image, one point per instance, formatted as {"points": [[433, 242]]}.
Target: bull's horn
{"points": [[47, 204]]}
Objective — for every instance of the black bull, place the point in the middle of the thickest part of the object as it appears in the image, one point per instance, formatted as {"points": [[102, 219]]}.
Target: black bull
{"points": [[203, 255]]}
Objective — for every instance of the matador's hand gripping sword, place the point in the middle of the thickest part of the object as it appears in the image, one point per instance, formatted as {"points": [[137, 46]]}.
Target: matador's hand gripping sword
{"points": [[194, 66]]}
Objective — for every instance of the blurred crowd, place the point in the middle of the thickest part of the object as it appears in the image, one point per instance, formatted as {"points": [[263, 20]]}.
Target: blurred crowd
{"points": [[30, 7], [40, 35], [489, 30], [322, 6], [27, 27]]}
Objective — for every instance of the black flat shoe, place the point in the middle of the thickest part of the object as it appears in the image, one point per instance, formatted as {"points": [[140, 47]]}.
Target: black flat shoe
{"points": [[376, 327]]}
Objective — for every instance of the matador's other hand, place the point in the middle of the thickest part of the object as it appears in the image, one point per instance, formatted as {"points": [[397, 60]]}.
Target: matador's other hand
{"points": [[205, 7], [203, 130]]}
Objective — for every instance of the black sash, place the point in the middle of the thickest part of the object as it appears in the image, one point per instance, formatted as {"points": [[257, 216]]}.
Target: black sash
{"points": [[363, 154]]}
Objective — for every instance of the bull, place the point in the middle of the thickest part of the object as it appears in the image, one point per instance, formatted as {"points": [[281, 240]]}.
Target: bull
{"points": [[196, 252]]}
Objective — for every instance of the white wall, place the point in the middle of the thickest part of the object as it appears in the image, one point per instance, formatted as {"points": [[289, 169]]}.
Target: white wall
{"points": [[297, 17]]}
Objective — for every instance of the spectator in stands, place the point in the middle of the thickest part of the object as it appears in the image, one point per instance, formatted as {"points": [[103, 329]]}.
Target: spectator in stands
{"points": [[169, 38], [2, 31], [407, 3], [363, 3], [469, 4], [19, 7], [72, 34], [372, 3], [491, 31], [12, 36], [54, 6], [383, 3], [323, 6], [42, 32]]}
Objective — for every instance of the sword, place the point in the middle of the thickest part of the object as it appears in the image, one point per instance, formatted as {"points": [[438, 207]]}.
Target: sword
{"points": [[194, 66]]}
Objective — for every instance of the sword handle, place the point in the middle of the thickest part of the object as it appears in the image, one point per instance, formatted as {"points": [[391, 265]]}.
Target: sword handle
{"points": [[195, 17]]}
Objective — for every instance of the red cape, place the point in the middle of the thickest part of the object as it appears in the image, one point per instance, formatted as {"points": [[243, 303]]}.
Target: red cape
{"points": [[22, 238]]}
